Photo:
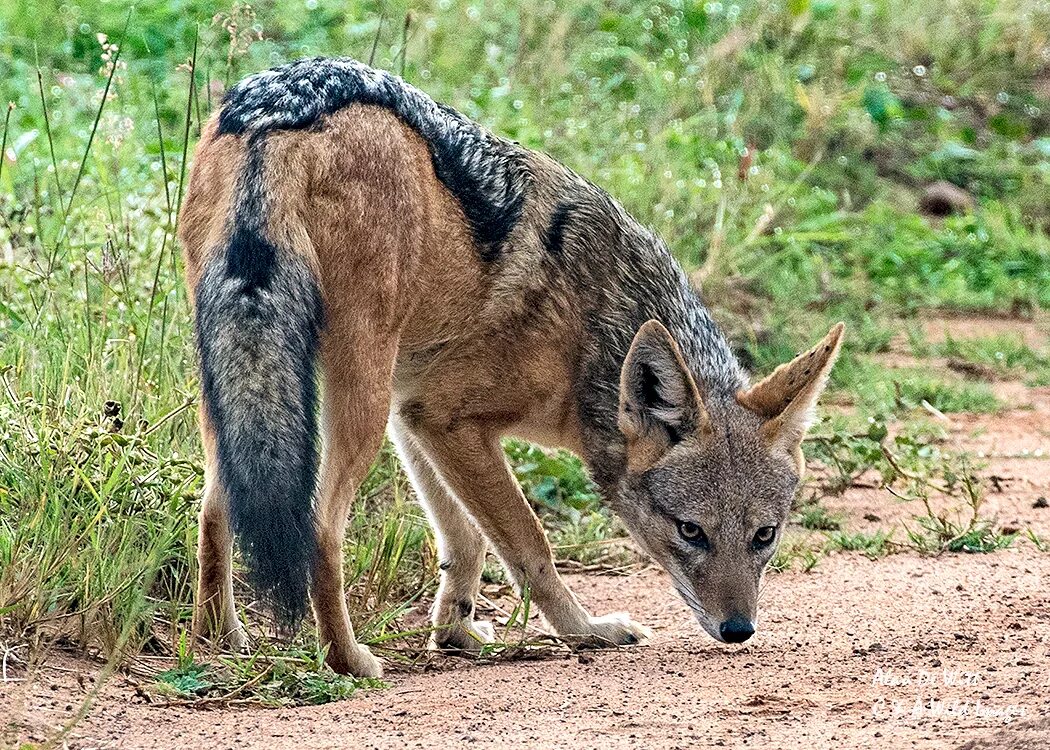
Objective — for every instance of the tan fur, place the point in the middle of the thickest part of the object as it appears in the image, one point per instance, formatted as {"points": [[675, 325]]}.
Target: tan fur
{"points": [[216, 612], [788, 395]]}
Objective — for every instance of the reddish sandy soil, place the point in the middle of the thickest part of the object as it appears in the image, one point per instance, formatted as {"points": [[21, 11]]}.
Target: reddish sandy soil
{"points": [[904, 651]]}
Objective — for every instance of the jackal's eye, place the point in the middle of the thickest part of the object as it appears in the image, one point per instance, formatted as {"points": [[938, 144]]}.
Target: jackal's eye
{"points": [[765, 535], [693, 534]]}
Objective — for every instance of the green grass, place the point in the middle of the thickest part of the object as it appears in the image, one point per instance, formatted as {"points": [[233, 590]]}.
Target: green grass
{"points": [[582, 529], [914, 387], [799, 553], [876, 389], [270, 677], [1002, 356], [779, 148]]}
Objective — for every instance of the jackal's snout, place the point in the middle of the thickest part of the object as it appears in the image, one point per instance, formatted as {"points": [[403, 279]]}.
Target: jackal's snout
{"points": [[736, 629]]}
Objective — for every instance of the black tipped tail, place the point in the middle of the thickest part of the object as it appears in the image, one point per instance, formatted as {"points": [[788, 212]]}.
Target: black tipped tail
{"points": [[259, 316]]}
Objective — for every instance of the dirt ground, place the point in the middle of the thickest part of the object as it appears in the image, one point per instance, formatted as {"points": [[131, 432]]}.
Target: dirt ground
{"points": [[854, 654], [904, 651]]}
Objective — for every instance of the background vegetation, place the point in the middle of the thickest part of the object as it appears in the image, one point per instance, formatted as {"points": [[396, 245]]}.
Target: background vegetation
{"points": [[784, 150]]}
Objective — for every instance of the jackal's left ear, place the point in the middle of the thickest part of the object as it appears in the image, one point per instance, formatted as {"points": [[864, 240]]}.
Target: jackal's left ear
{"points": [[659, 402], [787, 397]]}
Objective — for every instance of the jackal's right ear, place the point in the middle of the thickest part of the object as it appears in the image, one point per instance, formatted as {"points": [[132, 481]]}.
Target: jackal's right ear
{"points": [[659, 402], [787, 397]]}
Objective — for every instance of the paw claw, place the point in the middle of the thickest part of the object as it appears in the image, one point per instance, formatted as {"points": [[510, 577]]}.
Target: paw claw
{"points": [[485, 631]]}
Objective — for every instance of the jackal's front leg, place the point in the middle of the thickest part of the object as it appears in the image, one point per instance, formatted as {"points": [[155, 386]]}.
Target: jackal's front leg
{"points": [[461, 548], [473, 466]]}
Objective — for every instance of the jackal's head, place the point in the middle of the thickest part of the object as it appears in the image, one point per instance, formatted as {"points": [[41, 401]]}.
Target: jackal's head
{"points": [[710, 479]]}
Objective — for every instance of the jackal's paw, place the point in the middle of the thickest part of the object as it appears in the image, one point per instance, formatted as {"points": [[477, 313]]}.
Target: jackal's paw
{"points": [[234, 639], [617, 629], [464, 637], [356, 661]]}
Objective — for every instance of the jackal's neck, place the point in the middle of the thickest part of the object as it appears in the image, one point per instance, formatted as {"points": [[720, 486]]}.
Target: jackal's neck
{"points": [[626, 276]]}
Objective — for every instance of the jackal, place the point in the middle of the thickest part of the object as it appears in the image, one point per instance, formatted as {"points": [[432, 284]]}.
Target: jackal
{"points": [[456, 287]]}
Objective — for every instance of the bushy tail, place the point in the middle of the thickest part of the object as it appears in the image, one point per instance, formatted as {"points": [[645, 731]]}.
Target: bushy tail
{"points": [[259, 316]]}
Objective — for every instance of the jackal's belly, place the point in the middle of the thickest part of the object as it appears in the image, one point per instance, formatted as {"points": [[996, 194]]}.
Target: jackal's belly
{"points": [[521, 386]]}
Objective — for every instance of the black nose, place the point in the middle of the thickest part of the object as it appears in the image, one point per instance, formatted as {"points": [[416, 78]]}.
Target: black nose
{"points": [[736, 630]]}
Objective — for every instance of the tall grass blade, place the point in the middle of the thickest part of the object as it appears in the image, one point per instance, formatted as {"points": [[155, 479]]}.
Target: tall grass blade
{"points": [[375, 41], [3, 142], [98, 118], [186, 129], [47, 133]]}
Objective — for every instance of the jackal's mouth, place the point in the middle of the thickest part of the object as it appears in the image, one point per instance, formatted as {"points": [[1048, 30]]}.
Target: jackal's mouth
{"points": [[705, 620]]}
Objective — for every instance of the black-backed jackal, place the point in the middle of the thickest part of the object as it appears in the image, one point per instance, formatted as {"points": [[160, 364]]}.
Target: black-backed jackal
{"points": [[457, 288]]}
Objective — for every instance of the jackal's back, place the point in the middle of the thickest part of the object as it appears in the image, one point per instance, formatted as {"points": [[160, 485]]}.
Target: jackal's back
{"points": [[487, 175]]}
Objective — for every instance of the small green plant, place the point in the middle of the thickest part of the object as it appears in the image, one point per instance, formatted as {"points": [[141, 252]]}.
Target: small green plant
{"points": [[799, 552], [582, 530], [271, 677], [816, 517], [186, 681], [947, 531], [875, 545], [846, 454], [912, 468], [554, 480], [1040, 543]]}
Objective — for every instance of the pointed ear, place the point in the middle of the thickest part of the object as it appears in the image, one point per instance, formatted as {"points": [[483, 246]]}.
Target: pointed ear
{"points": [[788, 396], [659, 402]]}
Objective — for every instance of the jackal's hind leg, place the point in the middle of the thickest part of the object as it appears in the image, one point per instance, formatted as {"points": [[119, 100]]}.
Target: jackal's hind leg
{"points": [[473, 466], [215, 613], [461, 549], [357, 371], [354, 415]]}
